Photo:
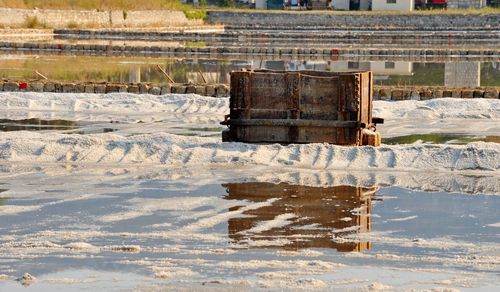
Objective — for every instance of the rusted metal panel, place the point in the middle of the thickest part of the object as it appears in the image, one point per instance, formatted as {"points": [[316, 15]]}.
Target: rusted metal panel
{"points": [[300, 107]]}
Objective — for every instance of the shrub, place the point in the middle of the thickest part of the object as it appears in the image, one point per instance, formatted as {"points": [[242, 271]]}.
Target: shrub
{"points": [[227, 3], [196, 14], [33, 22], [72, 24]]}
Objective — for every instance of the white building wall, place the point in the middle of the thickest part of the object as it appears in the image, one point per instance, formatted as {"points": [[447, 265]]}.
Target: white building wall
{"points": [[392, 68], [344, 4], [462, 74], [399, 5]]}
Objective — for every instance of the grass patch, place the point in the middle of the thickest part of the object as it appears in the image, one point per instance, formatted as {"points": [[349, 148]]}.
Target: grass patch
{"points": [[438, 138], [72, 24], [195, 14], [33, 22], [91, 4], [196, 44]]}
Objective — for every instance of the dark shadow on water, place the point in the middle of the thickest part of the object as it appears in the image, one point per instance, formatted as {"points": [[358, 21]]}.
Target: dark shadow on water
{"points": [[315, 217], [3, 201], [8, 125], [439, 138]]}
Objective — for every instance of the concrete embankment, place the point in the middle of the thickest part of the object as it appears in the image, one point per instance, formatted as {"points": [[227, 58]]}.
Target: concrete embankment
{"points": [[93, 18], [222, 90], [367, 20], [415, 53]]}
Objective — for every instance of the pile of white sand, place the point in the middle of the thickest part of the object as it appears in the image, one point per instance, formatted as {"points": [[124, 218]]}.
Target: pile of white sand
{"points": [[168, 149], [176, 150]]}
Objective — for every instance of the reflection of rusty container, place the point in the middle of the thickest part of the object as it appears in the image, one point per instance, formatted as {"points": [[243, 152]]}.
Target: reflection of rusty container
{"points": [[319, 217], [301, 107]]}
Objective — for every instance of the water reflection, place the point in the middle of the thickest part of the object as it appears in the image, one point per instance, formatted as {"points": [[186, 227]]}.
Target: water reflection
{"points": [[440, 138], [183, 70], [8, 125], [301, 216], [3, 201]]}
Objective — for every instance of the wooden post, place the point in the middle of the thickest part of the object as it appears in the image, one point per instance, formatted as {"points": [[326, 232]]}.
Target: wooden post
{"points": [[165, 73], [202, 77], [41, 75]]}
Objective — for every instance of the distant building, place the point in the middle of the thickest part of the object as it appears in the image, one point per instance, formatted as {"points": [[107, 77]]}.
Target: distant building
{"points": [[465, 4], [395, 5], [351, 4], [400, 68], [462, 74]]}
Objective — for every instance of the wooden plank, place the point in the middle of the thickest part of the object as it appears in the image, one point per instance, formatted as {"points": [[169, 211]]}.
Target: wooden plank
{"points": [[294, 122]]}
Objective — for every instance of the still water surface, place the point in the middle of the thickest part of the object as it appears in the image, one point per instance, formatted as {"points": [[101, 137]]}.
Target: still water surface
{"points": [[135, 69]]}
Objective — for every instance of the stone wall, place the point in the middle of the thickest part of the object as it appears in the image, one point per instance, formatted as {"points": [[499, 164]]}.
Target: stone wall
{"points": [[92, 18], [431, 92], [215, 90], [222, 90], [294, 20], [387, 53]]}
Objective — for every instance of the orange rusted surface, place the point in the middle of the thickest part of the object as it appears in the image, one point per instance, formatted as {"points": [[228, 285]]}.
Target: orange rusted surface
{"points": [[301, 107]]}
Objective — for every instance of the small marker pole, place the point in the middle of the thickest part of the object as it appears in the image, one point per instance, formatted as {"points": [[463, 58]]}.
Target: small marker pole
{"points": [[202, 77], [41, 75], [165, 73]]}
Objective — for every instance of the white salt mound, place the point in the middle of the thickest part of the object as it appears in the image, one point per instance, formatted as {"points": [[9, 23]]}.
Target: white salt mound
{"points": [[115, 102], [80, 246], [176, 150], [443, 108]]}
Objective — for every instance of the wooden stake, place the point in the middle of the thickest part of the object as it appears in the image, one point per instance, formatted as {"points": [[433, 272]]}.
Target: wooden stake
{"points": [[166, 74], [202, 77], [41, 75]]}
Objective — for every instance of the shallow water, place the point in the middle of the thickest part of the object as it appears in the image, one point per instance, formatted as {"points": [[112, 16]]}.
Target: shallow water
{"points": [[437, 138], [164, 226], [93, 213], [209, 130], [65, 126], [457, 73]]}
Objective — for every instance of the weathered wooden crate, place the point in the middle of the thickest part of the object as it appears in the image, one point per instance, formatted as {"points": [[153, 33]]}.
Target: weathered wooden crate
{"points": [[301, 107]]}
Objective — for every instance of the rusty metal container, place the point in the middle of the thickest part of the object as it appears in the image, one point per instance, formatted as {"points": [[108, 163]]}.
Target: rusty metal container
{"points": [[301, 107]]}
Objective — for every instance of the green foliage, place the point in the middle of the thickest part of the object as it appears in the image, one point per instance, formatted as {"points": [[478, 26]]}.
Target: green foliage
{"points": [[227, 3], [91, 4], [489, 75], [423, 74], [196, 14], [33, 22], [72, 24], [438, 138], [196, 44]]}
